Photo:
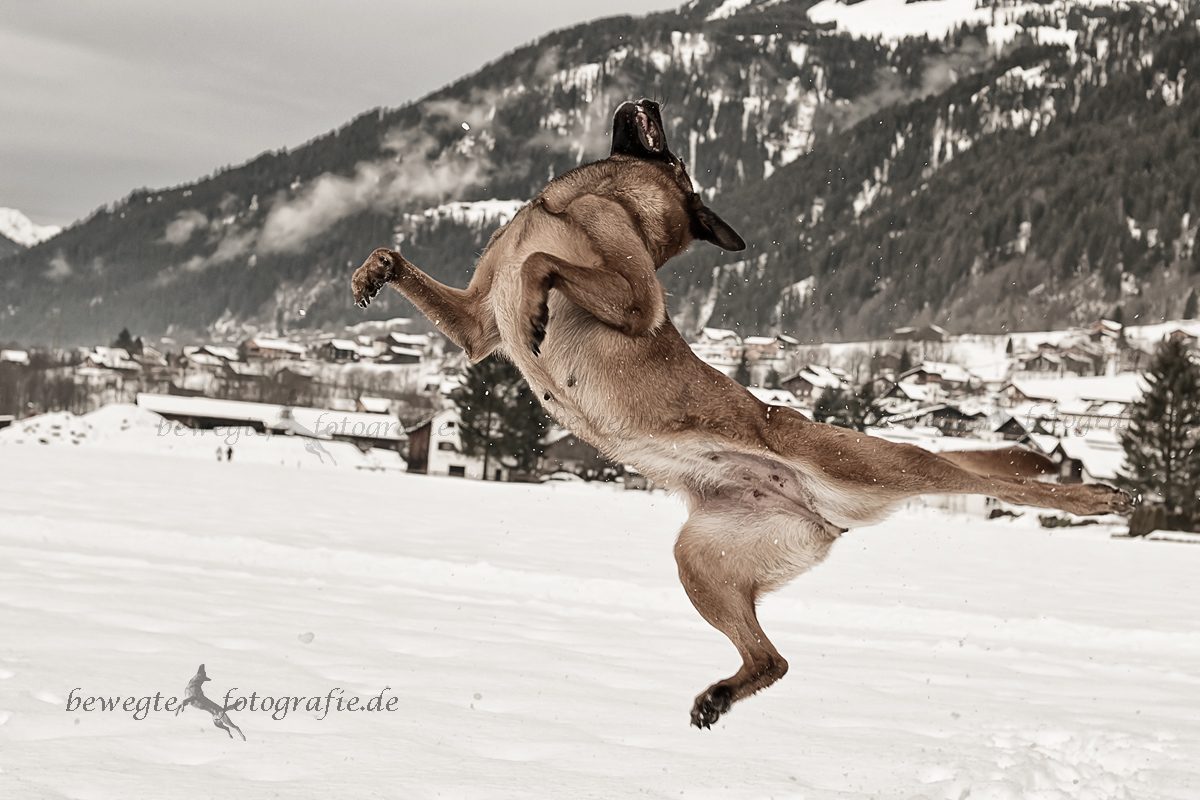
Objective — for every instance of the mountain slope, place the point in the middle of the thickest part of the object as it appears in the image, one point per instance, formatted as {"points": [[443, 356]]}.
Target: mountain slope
{"points": [[1053, 188], [788, 127]]}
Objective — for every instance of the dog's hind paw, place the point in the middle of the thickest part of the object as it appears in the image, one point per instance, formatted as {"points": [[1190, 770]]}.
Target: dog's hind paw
{"points": [[1100, 498], [711, 704], [376, 272]]}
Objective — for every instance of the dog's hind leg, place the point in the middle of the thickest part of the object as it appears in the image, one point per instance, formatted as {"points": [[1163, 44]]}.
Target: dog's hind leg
{"points": [[727, 559]]}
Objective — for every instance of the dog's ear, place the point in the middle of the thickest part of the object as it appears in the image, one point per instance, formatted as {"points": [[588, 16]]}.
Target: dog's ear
{"points": [[711, 228]]}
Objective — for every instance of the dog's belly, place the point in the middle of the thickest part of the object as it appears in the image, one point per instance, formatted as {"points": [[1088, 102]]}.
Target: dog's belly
{"points": [[649, 403]]}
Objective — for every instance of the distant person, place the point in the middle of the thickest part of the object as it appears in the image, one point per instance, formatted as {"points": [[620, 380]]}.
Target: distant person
{"points": [[220, 452], [229, 454]]}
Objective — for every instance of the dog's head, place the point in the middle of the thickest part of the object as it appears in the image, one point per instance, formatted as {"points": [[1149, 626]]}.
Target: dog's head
{"points": [[638, 133]]}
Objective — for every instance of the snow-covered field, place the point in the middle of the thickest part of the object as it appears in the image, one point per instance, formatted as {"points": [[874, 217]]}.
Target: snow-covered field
{"points": [[540, 646]]}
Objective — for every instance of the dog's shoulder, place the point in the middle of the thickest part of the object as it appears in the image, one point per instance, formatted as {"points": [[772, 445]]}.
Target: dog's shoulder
{"points": [[624, 181]]}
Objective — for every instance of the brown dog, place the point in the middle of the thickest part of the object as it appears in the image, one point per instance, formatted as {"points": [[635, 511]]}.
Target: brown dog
{"points": [[568, 292]]}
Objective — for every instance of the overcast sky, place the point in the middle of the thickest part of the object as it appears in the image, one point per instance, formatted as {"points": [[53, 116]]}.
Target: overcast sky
{"points": [[100, 98]]}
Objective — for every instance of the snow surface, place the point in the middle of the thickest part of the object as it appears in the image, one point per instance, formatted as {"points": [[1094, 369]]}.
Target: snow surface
{"points": [[22, 230], [541, 646]]}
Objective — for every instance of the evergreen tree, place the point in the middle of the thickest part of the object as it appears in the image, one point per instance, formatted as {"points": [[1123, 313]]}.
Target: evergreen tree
{"points": [[501, 419], [1008, 348], [742, 373], [848, 409], [126, 342], [773, 379], [1191, 306], [905, 360], [1162, 443]]}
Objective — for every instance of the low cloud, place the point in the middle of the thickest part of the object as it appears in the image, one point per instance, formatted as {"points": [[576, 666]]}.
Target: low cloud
{"points": [[184, 226], [59, 269], [418, 167]]}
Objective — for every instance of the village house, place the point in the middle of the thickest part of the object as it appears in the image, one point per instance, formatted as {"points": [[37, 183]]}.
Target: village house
{"points": [[264, 348], [435, 448], [808, 382], [566, 452], [949, 378]]}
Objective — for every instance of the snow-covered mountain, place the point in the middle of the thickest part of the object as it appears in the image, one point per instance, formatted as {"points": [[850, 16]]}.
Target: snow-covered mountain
{"points": [[886, 161], [19, 228]]}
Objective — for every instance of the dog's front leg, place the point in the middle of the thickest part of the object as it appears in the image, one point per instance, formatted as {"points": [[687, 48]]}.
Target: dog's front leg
{"points": [[630, 301], [458, 313]]}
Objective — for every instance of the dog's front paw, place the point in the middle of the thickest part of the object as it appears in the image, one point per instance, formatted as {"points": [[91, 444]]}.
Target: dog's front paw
{"points": [[376, 272], [711, 704], [537, 333]]}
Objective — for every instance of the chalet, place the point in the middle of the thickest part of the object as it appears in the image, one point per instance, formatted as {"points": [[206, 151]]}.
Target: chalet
{"points": [[950, 378], [1105, 329], [950, 420], [778, 397], [262, 347], [566, 452], [373, 405], [403, 348], [339, 350], [114, 358], [1181, 335], [767, 348], [401, 355], [719, 336], [435, 448], [808, 383], [1094, 457]]}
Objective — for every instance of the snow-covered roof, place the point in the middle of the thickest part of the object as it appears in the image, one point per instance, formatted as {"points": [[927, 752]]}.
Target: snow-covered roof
{"points": [[776, 397], [822, 377], [760, 341], [344, 344], [409, 339], [947, 371], [375, 405], [718, 335], [1100, 451], [14, 356], [263, 343], [1124, 388], [317, 422], [913, 391], [111, 357]]}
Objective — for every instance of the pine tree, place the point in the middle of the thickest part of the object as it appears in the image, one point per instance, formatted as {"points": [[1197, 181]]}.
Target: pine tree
{"points": [[501, 418], [773, 379], [1162, 442], [1008, 348], [126, 342], [742, 373], [1192, 306], [905, 360], [848, 409]]}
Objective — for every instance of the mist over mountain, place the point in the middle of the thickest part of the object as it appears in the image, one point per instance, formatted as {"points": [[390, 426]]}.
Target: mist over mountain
{"points": [[1028, 166]]}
